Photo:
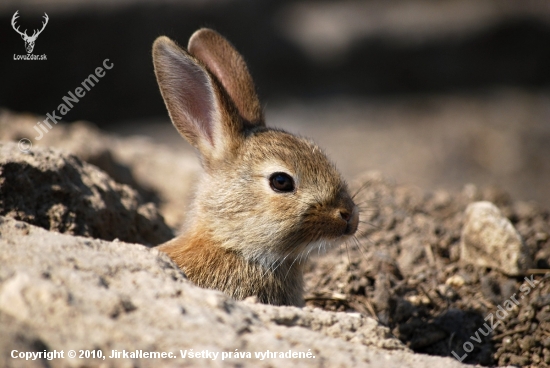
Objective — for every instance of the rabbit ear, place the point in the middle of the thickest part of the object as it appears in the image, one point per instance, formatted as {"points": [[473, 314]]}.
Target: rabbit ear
{"points": [[197, 106], [229, 67]]}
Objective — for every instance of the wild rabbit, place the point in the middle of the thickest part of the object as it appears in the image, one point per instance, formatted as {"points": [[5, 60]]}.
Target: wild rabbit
{"points": [[266, 198]]}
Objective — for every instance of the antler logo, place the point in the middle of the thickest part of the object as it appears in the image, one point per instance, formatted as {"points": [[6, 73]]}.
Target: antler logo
{"points": [[29, 40]]}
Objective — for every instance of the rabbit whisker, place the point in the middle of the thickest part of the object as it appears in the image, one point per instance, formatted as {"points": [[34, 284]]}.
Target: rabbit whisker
{"points": [[278, 264], [362, 187]]}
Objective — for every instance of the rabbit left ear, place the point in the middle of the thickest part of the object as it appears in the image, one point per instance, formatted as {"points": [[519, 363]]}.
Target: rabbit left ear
{"points": [[196, 103], [229, 67]]}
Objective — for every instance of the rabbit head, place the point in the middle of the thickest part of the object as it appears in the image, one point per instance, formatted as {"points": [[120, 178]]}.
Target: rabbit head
{"points": [[266, 195]]}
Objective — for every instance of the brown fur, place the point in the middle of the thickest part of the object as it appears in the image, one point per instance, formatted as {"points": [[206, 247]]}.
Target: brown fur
{"points": [[214, 267], [243, 237], [230, 69]]}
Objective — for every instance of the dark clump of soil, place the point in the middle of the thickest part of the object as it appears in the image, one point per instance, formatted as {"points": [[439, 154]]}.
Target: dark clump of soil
{"points": [[59, 192], [404, 269]]}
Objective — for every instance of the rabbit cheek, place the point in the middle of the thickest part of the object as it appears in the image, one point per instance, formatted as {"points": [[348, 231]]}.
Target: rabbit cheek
{"points": [[283, 209]]}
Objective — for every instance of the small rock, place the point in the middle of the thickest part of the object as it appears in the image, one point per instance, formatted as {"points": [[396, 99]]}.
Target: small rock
{"points": [[417, 300], [541, 236], [446, 291], [455, 281], [412, 251], [490, 240], [519, 360], [527, 343], [527, 314], [544, 314]]}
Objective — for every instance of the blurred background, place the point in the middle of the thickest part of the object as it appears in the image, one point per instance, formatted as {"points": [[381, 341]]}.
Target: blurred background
{"points": [[433, 93]]}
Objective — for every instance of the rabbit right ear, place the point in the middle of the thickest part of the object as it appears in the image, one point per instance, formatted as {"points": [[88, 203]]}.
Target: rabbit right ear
{"points": [[194, 101], [225, 62]]}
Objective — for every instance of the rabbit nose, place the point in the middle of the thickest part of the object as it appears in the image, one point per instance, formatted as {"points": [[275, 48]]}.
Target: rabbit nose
{"points": [[345, 215], [351, 219]]}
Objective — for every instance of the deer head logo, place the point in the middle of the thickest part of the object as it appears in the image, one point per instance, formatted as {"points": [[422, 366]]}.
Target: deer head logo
{"points": [[29, 40]]}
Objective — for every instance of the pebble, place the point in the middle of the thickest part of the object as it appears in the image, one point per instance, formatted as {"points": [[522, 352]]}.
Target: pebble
{"points": [[455, 281], [446, 291], [417, 300], [507, 341], [490, 240], [527, 314], [519, 360], [527, 342]]}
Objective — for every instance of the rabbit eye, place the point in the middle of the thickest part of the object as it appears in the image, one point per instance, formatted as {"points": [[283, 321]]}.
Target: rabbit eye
{"points": [[281, 182]]}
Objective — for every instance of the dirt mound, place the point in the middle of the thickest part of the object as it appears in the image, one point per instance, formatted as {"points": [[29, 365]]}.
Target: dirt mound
{"points": [[59, 192], [160, 174], [60, 292], [405, 269]]}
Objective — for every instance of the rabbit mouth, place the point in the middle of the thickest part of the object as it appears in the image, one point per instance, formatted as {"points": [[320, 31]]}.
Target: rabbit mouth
{"points": [[332, 236], [320, 246], [298, 251]]}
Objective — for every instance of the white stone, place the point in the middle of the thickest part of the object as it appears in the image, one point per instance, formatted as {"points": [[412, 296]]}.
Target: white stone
{"points": [[490, 240]]}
